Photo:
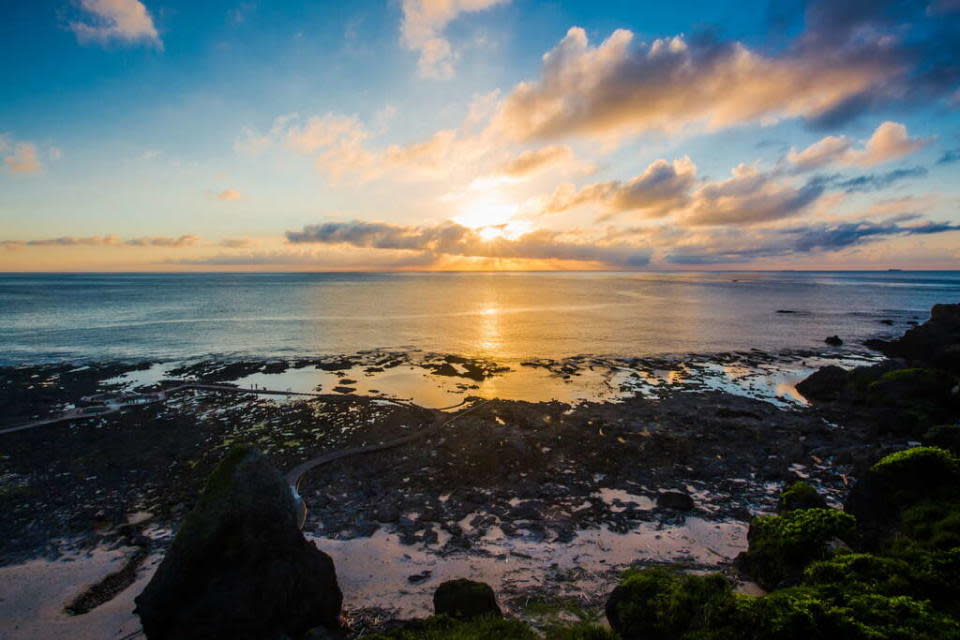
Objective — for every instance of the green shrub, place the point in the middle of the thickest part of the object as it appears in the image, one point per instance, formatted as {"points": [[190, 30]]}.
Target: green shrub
{"points": [[932, 524], [860, 573], [945, 436], [446, 628], [578, 631], [804, 613], [878, 617], [800, 495], [918, 475], [915, 460], [660, 604], [780, 547]]}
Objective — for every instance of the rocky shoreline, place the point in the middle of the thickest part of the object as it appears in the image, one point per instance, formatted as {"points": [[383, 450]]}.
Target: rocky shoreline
{"points": [[671, 447]]}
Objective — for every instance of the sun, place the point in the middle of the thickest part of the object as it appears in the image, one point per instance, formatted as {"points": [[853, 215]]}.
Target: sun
{"points": [[492, 219]]}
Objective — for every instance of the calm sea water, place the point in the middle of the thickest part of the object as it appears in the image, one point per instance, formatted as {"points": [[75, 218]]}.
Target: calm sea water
{"points": [[49, 317]]}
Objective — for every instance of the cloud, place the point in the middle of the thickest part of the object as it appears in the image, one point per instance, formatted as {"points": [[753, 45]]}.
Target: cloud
{"points": [[750, 197], [324, 258], [180, 241], [453, 239], [422, 31], [326, 131], [949, 157], [337, 145], [22, 159], [125, 21], [663, 188], [876, 181], [804, 239], [535, 160], [229, 195], [109, 240], [620, 88], [889, 141], [236, 243]]}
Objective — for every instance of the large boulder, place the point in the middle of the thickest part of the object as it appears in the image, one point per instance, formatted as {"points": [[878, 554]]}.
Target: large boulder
{"points": [[826, 383], [465, 600], [239, 567]]}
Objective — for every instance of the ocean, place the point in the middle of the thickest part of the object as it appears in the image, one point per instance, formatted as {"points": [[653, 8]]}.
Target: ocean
{"points": [[505, 316]]}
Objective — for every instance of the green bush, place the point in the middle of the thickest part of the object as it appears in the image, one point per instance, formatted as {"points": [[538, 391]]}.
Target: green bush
{"points": [[918, 475], [660, 604], [446, 628], [800, 495], [780, 547], [861, 573], [932, 524], [945, 436], [803, 613], [578, 631]]}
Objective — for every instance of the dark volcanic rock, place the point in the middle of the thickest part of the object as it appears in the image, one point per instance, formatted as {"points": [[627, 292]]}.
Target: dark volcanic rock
{"points": [[834, 341], [239, 567], [387, 512], [675, 500], [824, 384], [465, 599], [934, 343]]}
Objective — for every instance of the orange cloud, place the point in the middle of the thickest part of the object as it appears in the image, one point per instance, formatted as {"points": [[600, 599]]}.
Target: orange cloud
{"points": [[889, 141], [23, 159], [125, 21], [535, 160], [618, 88], [663, 188]]}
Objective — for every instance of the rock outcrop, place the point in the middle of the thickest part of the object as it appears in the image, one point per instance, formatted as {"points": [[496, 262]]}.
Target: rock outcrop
{"points": [[239, 567], [935, 343]]}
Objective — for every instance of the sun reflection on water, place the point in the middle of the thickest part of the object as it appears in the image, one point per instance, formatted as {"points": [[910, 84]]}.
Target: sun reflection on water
{"points": [[488, 338]]}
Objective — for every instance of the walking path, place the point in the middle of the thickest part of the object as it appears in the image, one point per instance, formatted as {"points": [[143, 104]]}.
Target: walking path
{"points": [[108, 403]]}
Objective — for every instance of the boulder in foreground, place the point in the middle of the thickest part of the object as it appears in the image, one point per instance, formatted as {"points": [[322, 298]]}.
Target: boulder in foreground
{"points": [[465, 600], [239, 567]]}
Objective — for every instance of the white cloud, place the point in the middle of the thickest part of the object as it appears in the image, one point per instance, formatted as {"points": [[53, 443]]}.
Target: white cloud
{"points": [[422, 30], [126, 21]]}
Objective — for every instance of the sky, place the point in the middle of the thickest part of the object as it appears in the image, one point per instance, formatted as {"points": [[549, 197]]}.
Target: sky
{"points": [[228, 135]]}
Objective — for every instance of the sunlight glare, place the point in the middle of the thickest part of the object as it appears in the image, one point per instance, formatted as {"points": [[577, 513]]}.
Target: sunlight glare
{"points": [[485, 212]]}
